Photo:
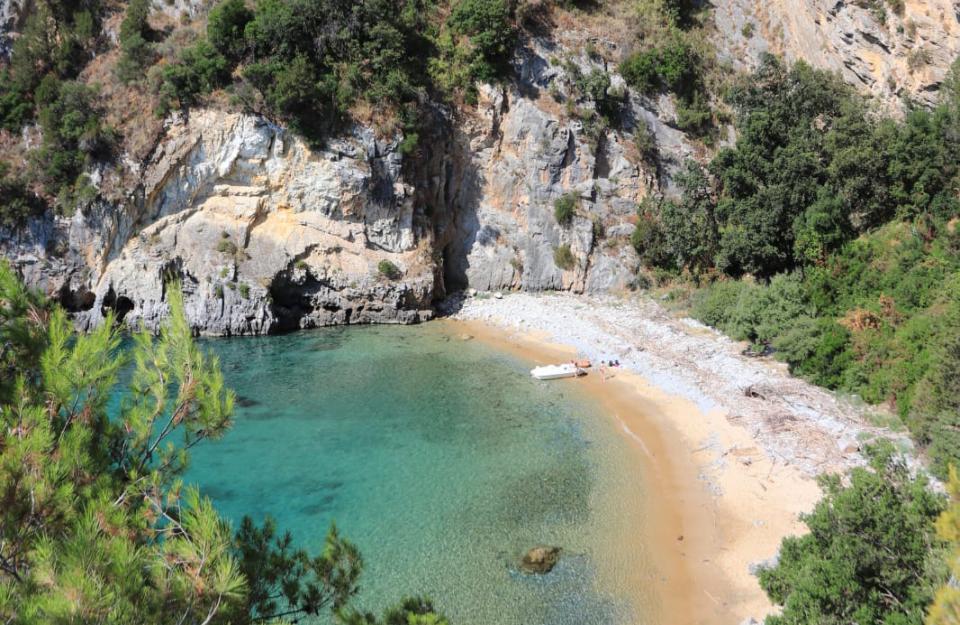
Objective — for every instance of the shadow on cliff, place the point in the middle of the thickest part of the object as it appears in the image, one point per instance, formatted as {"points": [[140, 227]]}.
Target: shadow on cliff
{"points": [[451, 201]]}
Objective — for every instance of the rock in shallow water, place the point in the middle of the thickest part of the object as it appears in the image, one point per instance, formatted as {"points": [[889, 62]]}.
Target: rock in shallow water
{"points": [[540, 559]]}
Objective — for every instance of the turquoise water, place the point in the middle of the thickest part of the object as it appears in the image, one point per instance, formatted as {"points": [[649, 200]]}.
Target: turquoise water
{"points": [[443, 461]]}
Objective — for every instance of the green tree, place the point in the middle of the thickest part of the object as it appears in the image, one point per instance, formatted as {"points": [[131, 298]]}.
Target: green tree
{"points": [[95, 521], [871, 556], [946, 604], [17, 202], [96, 525], [135, 32], [488, 25], [199, 69], [55, 39], [689, 225], [73, 139], [941, 407], [225, 28]]}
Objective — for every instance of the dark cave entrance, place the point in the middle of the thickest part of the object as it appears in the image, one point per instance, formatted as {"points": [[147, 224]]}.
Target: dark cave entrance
{"points": [[120, 305]]}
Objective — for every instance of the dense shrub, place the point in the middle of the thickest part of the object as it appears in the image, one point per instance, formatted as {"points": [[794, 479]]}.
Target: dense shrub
{"points": [[17, 202], [199, 69], [388, 270], [473, 45], [818, 349], [565, 207], [871, 555], [649, 240], [680, 233], [595, 86], [294, 92], [641, 70], [56, 39], [563, 257], [487, 23], [673, 67], [73, 139], [225, 28], [136, 50]]}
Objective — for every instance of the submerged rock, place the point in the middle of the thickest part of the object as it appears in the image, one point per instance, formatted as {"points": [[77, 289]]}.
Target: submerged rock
{"points": [[540, 559]]}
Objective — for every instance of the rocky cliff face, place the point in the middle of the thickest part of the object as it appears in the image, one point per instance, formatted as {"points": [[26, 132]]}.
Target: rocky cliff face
{"points": [[267, 234], [885, 53], [518, 154]]}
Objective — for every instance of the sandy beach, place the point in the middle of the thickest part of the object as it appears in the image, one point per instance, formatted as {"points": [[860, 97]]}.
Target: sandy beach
{"points": [[730, 445]]}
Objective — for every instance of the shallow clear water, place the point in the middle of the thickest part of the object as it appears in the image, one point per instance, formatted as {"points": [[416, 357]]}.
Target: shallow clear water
{"points": [[443, 461]]}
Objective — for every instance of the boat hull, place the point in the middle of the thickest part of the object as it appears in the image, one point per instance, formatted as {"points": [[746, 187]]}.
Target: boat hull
{"points": [[556, 372]]}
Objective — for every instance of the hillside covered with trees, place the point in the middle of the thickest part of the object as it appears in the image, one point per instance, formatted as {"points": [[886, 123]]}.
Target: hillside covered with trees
{"points": [[829, 236]]}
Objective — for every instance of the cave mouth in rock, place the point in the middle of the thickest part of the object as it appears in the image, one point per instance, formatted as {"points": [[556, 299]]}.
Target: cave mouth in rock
{"points": [[74, 301], [292, 301], [119, 304], [454, 269]]}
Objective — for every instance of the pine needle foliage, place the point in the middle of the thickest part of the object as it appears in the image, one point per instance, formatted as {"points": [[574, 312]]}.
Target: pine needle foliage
{"points": [[96, 525], [946, 604]]}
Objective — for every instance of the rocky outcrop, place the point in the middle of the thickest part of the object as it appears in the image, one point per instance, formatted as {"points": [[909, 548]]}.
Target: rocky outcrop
{"points": [[264, 233], [886, 54], [521, 152], [267, 234], [540, 560]]}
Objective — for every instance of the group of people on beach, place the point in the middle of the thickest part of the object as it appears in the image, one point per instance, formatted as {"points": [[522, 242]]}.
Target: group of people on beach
{"points": [[603, 368]]}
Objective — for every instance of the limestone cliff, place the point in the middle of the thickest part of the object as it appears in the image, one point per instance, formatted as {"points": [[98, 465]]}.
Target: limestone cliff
{"points": [[889, 54], [518, 154], [268, 234], [265, 233]]}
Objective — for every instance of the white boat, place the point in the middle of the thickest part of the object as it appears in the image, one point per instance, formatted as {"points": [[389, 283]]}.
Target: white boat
{"points": [[555, 372]]}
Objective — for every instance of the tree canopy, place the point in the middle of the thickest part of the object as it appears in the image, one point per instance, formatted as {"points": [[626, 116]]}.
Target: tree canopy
{"points": [[96, 525], [871, 556]]}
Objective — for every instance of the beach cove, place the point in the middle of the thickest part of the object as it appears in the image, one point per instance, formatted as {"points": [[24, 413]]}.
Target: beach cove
{"points": [[730, 445], [432, 448], [444, 462]]}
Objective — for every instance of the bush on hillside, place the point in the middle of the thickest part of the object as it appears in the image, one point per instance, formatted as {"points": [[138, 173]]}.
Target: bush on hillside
{"points": [[487, 23], [565, 207], [388, 270], [73, 139], [871, 555], [225, 28], [198, 70], [17, 202], [136, 51], [563, 257]]}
